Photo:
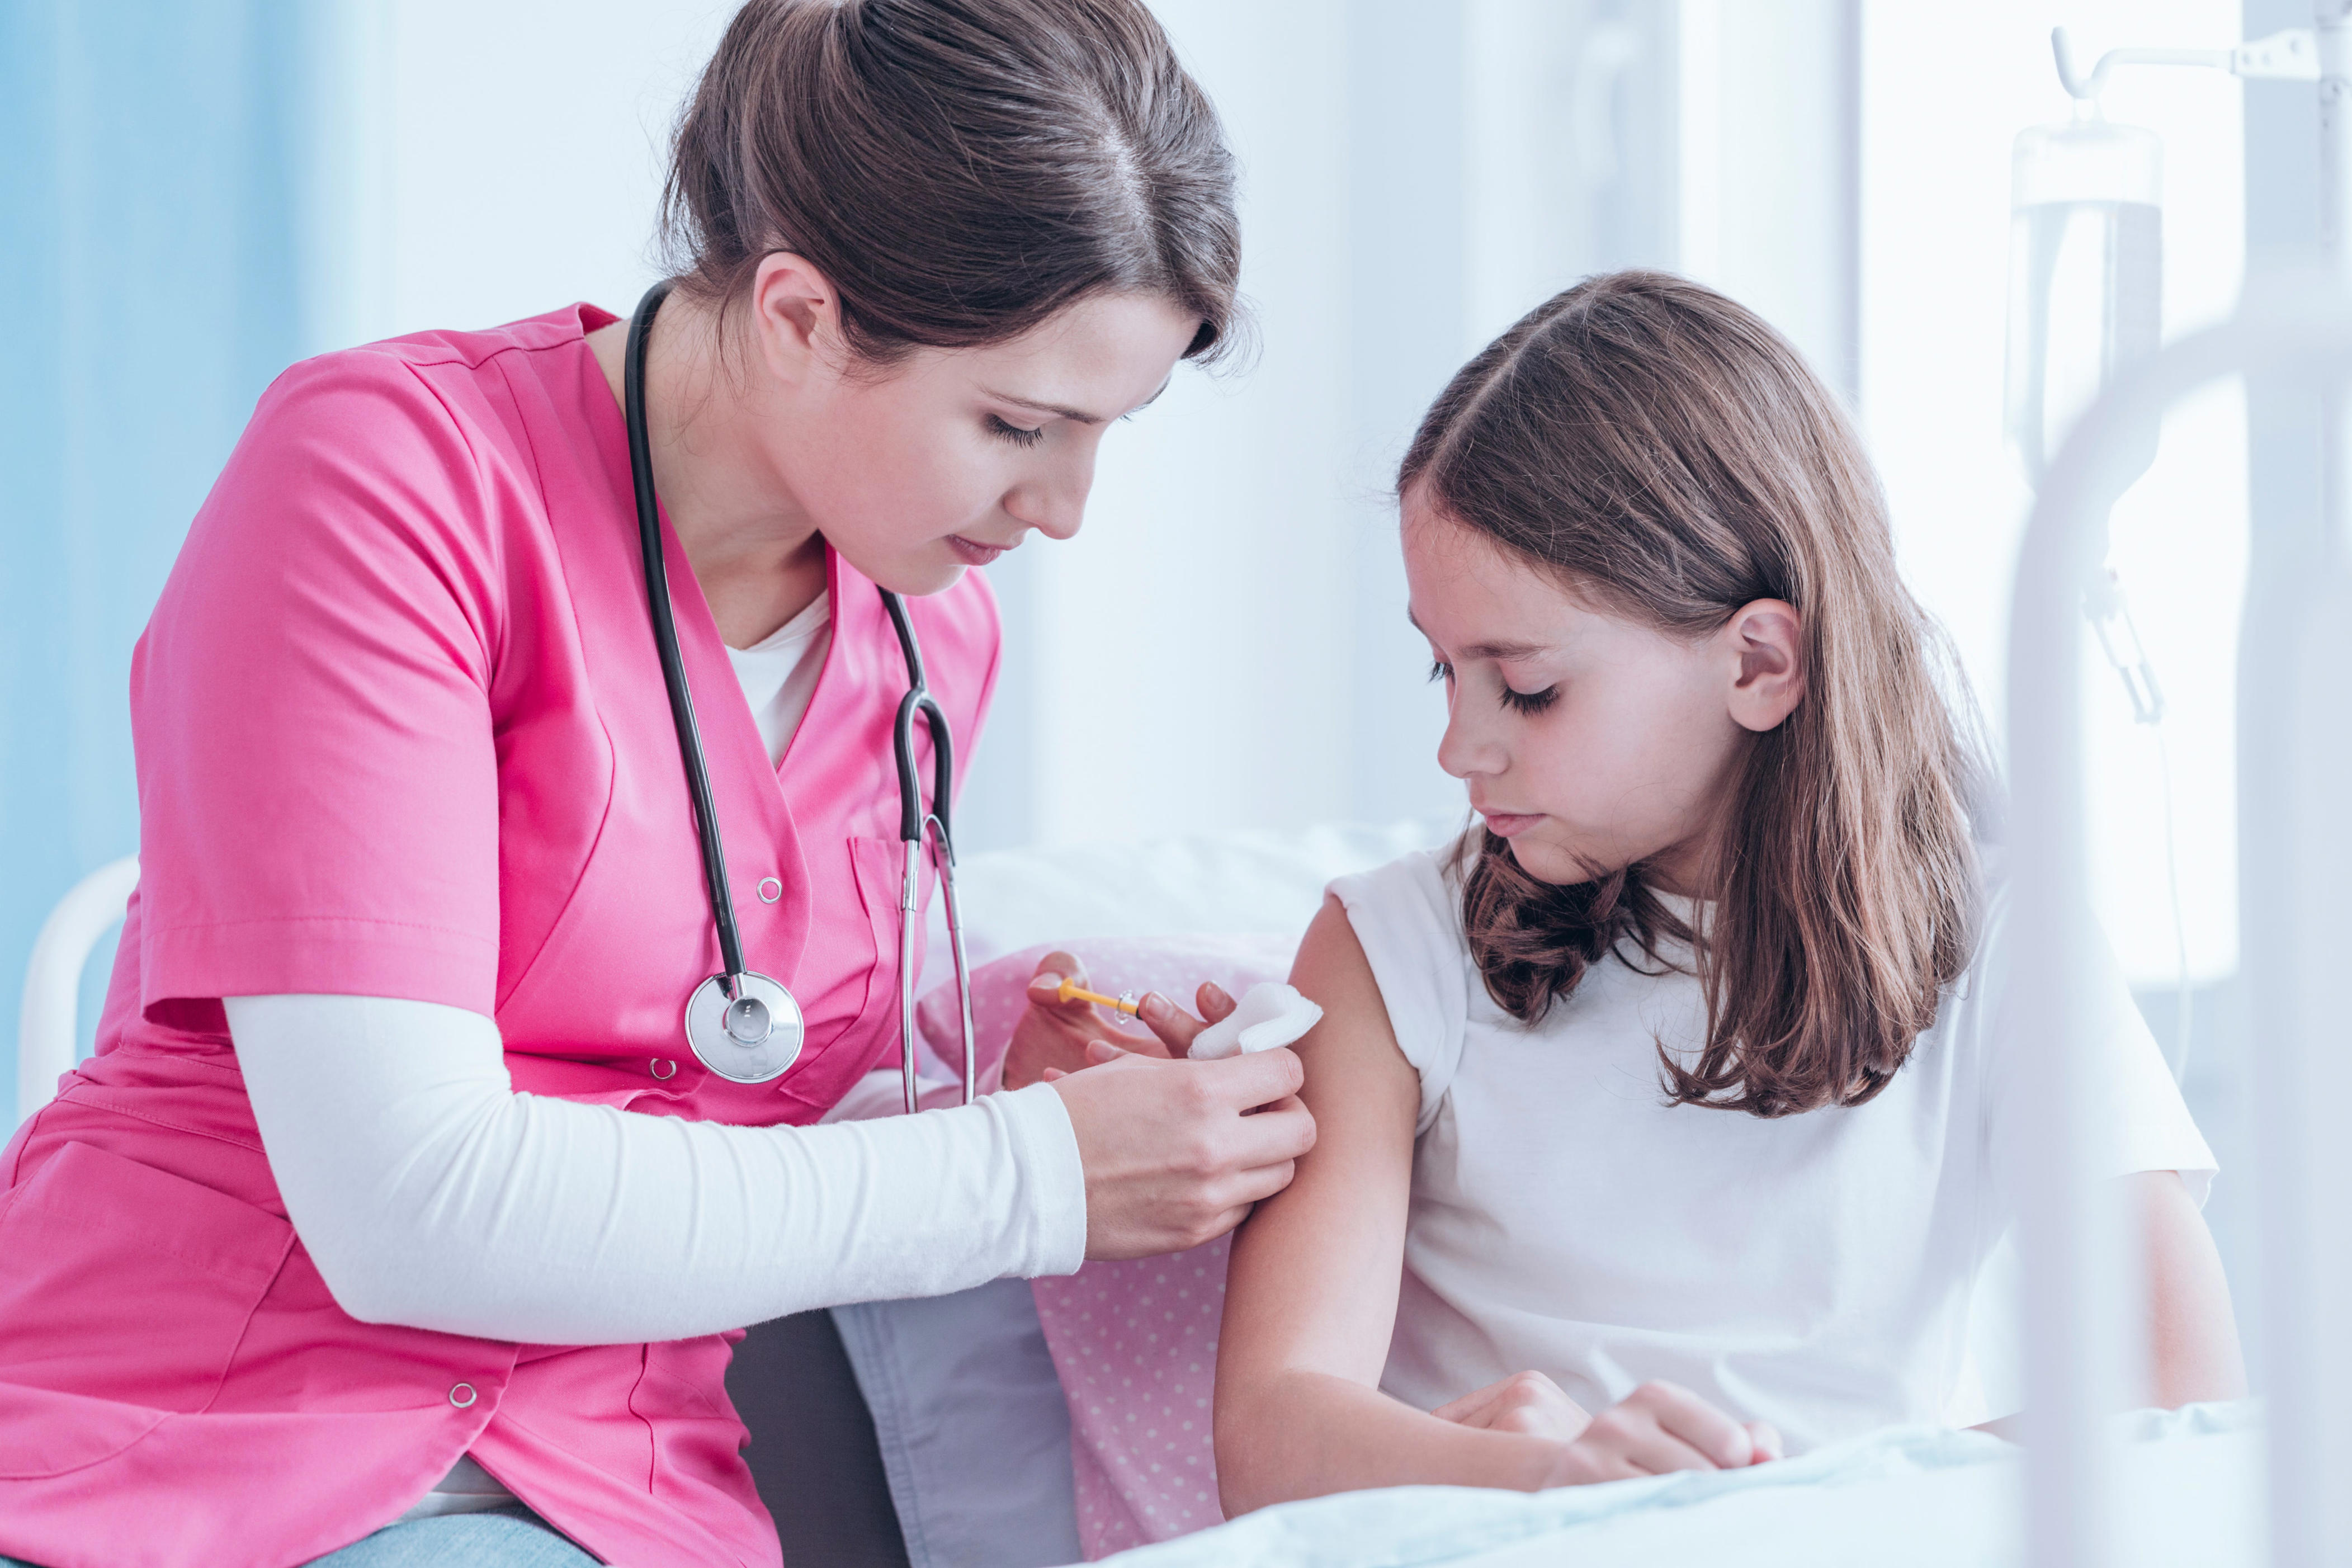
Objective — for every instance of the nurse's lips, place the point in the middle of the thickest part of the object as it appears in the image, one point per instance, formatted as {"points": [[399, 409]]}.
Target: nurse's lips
{"points": [[1508, 824], [974, 553]]}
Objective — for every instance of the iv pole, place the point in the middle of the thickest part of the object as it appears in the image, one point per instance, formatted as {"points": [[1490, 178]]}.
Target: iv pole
{"points": [[2280, 827]]}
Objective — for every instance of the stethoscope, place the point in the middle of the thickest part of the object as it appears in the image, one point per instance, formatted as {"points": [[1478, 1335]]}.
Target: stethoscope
{"points": [[745, 1025]]}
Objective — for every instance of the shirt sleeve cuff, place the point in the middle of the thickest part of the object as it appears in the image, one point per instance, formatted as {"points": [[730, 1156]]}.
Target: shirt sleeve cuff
{"points": [[1045, 1148]]}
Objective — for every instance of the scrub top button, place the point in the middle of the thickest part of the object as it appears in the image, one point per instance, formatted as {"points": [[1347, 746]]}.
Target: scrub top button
{"points": [[462, 1395], [770, 890], [663, 1069]]}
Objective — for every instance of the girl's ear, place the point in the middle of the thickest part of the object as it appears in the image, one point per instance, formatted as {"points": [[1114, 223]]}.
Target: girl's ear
{"points": [[1766, 638]]}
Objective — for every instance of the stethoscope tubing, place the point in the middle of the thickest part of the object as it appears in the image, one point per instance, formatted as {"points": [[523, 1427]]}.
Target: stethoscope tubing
{"points": [[673, 663], [915, 823]]}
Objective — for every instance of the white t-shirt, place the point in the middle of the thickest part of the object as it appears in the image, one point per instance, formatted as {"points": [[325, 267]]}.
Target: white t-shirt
{"points": [[779, 673], [1813, 1270]]}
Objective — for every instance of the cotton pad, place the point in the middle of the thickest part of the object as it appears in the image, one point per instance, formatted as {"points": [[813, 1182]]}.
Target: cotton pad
{"points": [[1270, 1014]]}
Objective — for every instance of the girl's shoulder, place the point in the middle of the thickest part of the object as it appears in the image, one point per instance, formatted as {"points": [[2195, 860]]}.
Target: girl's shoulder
{"points": [[1416, 899], [1407, 917]]}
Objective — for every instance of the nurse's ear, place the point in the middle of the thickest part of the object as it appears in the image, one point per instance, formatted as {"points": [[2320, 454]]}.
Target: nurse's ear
{"points": [[796, 319]]}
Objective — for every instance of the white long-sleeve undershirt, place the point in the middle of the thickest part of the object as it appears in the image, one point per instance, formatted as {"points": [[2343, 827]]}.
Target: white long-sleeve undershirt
{"points": [[431, 1194]]}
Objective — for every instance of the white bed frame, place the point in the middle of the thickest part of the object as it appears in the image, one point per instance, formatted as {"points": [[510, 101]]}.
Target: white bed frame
{"points": [[2294, 749], [46, 1035]]}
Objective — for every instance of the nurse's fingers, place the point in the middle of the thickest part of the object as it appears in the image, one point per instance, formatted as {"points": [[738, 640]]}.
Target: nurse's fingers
{"points": [[1767, 1438], [1255, 1078], [1175, 1027], [1045, 996], [1280, 1132], [1253, 1187], [1046, 985]]}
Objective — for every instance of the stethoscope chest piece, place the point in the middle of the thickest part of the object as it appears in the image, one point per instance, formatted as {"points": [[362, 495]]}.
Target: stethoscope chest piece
{"points": [[750, 1038]]}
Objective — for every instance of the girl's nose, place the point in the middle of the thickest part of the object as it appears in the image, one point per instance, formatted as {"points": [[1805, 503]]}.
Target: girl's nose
{"points": [[1467, 749]]}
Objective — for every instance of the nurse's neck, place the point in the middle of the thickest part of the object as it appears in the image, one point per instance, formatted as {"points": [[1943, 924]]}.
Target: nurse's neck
{"points": [[756, 554]]}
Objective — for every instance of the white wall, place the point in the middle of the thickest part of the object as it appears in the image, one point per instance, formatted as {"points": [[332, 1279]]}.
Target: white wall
{"points": [[1766, 109], [494, 159], [1192, 645]]}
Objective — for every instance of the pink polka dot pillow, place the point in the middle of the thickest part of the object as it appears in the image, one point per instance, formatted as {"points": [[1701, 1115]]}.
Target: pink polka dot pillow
{"points": [[1135, 1344]]}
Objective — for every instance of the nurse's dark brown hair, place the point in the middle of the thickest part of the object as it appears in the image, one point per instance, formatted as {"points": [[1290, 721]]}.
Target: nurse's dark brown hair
{"points": [[1661, 453], [959, 169]]}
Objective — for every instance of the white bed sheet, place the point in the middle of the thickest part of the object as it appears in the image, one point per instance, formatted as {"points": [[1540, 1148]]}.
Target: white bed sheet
{"points": [[2189, 1495]]}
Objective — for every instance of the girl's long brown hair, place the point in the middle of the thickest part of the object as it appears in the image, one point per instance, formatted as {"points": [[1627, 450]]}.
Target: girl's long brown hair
{"points": [[1662, 452]]}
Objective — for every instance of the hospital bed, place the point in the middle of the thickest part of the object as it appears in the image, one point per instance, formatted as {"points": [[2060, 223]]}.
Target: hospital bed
{"points": [[957, 1407], [936, 1433]]}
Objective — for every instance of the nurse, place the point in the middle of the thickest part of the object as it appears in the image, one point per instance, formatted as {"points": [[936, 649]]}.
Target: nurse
{"points": [[393, 1218]]}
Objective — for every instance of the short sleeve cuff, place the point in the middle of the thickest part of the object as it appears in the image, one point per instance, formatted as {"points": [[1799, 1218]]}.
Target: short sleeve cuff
{"points": [[1406, 920], [320, 956]]}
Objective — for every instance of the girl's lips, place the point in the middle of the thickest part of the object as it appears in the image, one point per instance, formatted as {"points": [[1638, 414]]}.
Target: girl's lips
{"points": [[1508, 824], [974, 553]]}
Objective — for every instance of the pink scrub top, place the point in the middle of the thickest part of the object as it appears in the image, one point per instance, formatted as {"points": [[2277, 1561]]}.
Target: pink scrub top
{"points": [[402, 733]]}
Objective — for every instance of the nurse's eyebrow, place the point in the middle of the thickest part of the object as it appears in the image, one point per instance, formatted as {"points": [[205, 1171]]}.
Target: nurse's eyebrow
{"points": [[1077, 416], [1494, 650]]}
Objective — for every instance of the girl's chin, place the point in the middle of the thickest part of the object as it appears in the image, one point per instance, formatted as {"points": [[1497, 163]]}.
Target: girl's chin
{"points": [[1545, 863], [1552, 863]]}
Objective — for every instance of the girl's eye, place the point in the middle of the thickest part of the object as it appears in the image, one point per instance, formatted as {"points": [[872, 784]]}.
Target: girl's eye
{"points": [[1531, 702], [1018, 434], [1440, 670]]}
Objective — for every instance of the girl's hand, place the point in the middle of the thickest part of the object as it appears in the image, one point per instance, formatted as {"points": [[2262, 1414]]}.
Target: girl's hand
{"points": [[1656, 1429], [1053, 1037], [1525, 1402]]}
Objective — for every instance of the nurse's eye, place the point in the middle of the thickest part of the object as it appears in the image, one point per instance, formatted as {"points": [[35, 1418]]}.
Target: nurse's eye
{"points": [[1018, 434], [1530, 702], [1440, 670]]}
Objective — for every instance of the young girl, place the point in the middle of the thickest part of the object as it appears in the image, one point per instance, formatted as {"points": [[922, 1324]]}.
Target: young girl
{"points": [[1680, 1090]]}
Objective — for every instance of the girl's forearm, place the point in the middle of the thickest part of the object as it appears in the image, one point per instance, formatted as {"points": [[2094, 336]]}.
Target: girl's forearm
{"points": [[1298, 1434]]}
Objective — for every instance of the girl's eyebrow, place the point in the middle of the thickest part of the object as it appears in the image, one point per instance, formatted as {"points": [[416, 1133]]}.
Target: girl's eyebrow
{"points": [[1494, 650]]}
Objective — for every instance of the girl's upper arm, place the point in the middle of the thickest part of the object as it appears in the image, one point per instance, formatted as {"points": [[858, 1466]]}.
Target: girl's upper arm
{"points": [[1312, 1285]]}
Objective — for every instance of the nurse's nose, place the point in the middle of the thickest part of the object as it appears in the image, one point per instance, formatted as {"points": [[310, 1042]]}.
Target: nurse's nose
{"points": [[1054, 502]]}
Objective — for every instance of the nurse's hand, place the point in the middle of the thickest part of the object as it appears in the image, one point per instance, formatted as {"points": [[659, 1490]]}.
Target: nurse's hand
{"points": [[1052, 1037], [1177, 1152]]}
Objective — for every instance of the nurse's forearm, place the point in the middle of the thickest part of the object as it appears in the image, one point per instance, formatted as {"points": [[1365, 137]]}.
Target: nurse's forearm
{"points": [[430, 1193]]}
